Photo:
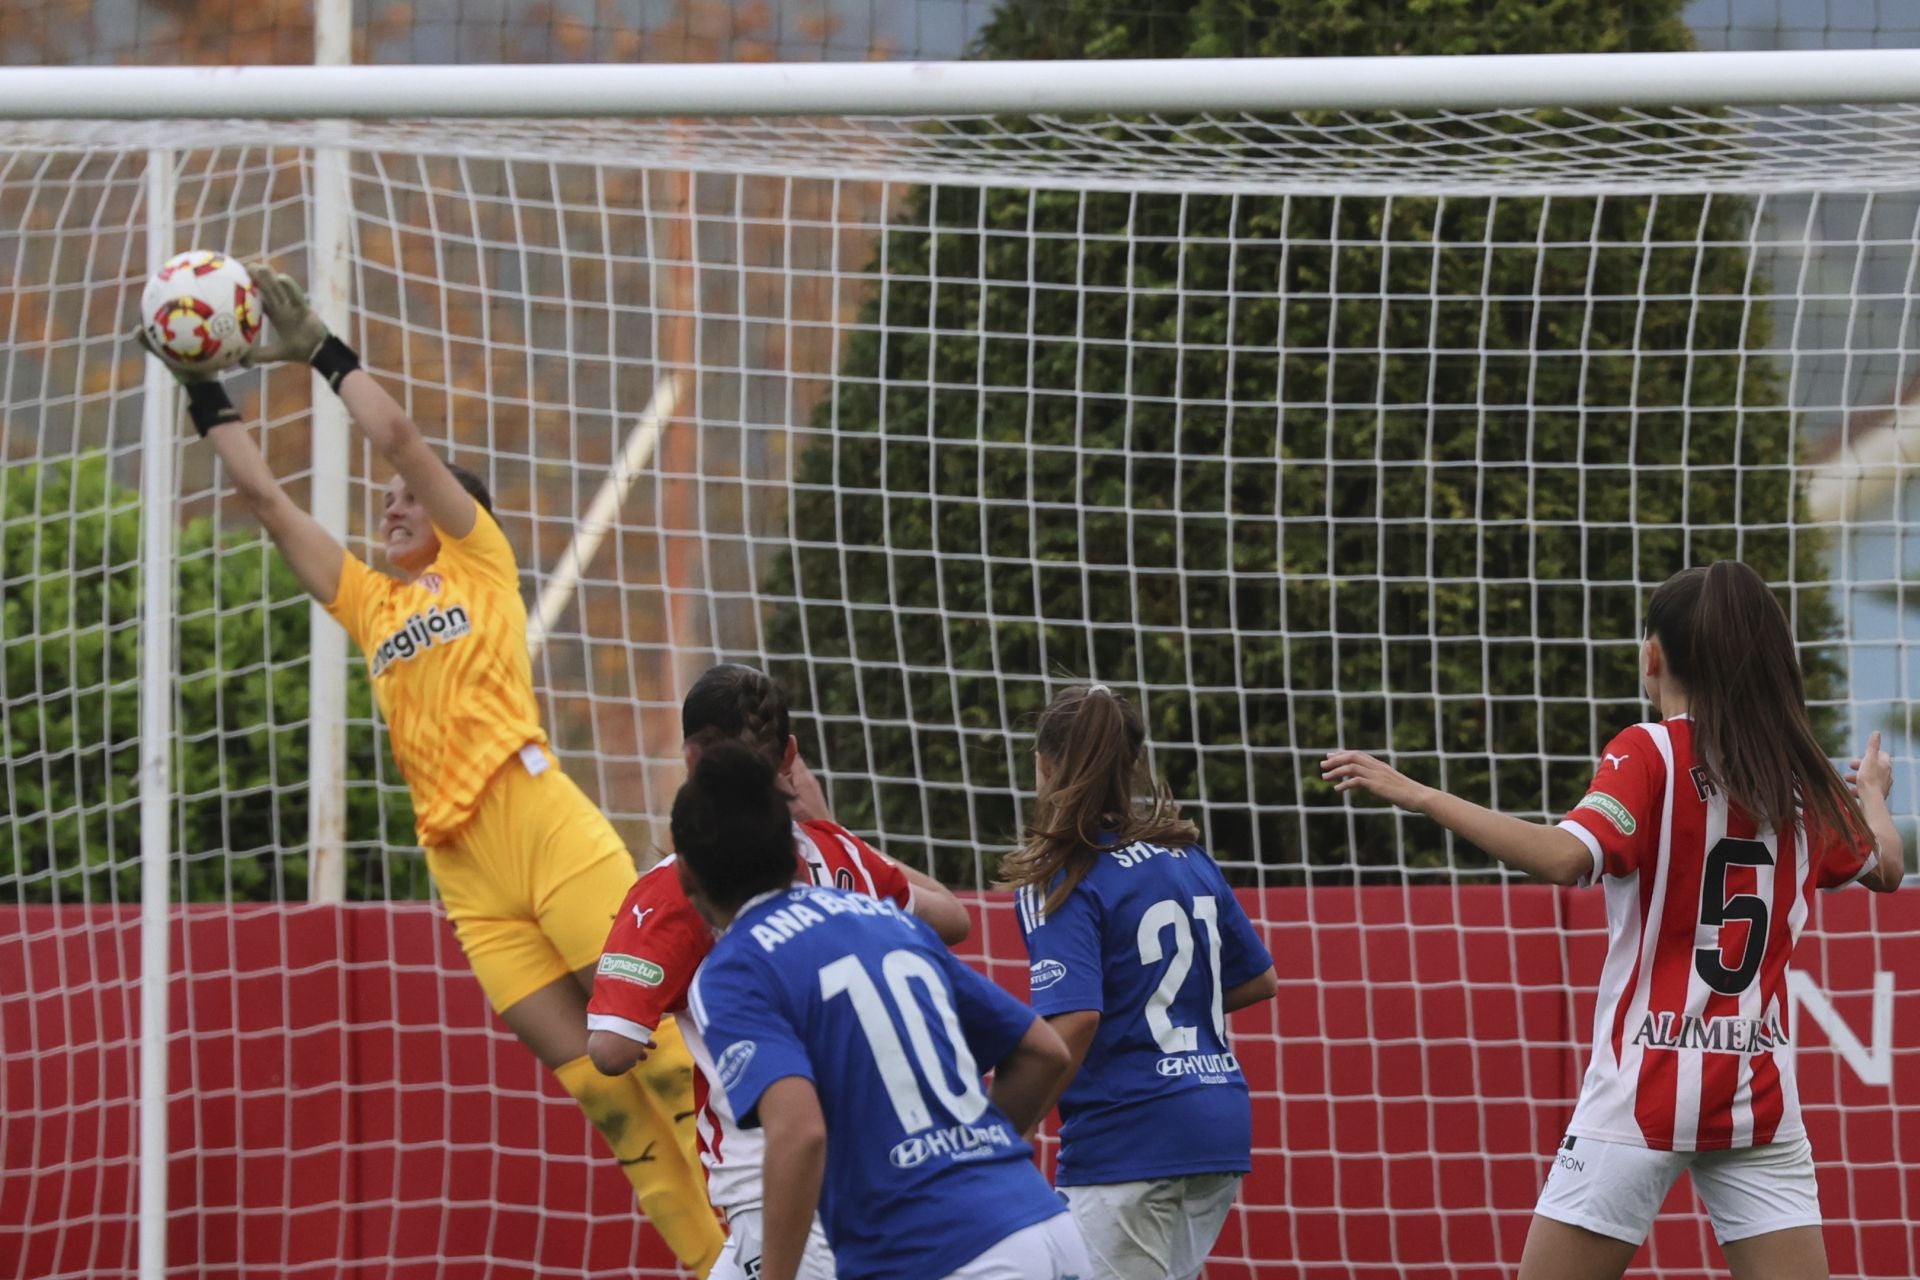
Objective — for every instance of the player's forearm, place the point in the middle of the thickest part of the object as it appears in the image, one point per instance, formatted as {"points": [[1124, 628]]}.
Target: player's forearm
{"points": [[1076, 1031], [793, 1192], [379, 417], [793, 1169], [1252, 991], [245, 465], [1544, 852], [1033, 1076], [1891, 863], [389, 429], [935, 903], [310, 551]]}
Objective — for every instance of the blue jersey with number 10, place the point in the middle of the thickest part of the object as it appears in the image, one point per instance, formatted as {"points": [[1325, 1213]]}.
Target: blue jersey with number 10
{"points": [[1149, 940], [923, 1174]]}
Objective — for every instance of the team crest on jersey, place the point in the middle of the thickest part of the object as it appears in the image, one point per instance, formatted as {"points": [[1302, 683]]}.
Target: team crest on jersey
{"points": [[432, 583], [1612, 810], [632, 969], [1045, 973], [422, 632], [733, 1063]]}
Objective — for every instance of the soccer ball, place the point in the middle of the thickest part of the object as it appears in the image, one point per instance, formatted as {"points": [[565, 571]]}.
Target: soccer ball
{"points": [[201, 310]]}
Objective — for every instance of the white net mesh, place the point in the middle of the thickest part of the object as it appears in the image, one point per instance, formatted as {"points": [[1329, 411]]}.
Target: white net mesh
{"points": [[1736, 150], [1312, 432]]}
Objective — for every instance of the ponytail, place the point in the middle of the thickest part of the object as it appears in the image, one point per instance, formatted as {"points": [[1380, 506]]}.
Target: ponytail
{"points": [[1728, 643], [1098, 787]]}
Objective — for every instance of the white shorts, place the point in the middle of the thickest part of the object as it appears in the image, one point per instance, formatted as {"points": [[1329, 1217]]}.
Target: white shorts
{"points": [[1049, 1250], [1616, 1188], [1162, 1229], [740, 1256]]}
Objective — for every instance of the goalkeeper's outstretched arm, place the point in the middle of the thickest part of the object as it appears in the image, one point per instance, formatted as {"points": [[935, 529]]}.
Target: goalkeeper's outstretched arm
{"points": [[300, 335], [399, 441], [313, 553]]}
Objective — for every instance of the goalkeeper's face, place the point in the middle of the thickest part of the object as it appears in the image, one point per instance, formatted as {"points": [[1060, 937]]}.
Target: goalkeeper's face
{"points": [[407, 531]]}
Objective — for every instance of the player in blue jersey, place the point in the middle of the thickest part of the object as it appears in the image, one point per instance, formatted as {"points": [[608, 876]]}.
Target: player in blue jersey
{"points": [[1139, 950], [843, 1028]]}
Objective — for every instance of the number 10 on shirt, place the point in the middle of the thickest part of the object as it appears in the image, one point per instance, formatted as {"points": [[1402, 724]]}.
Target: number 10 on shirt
{"points": [[902, 970]]}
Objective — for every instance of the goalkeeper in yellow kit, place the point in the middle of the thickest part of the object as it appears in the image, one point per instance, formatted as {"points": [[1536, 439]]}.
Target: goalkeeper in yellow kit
{"points": [[530, 871]]}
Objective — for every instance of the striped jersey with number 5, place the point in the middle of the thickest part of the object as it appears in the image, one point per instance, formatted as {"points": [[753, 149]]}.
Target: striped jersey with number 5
{"points": [[1690, 1037]]}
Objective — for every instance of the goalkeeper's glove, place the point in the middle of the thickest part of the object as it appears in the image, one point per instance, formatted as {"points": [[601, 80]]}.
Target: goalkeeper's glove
{"points": [[207, 402], [298, 333]]}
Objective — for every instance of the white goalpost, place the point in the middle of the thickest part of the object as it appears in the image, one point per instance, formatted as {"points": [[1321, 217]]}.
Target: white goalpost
{"points": [[1314, 403], [157, 423]]}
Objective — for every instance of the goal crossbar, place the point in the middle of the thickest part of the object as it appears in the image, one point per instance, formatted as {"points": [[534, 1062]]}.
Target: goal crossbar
{"points": [[923, 89]]}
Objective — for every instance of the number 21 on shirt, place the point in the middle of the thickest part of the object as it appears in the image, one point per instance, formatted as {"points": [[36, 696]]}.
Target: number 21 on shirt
{"points": [[1164, 915]]}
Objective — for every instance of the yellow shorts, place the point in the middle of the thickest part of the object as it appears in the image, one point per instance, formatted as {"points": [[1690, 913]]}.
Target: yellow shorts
{"points": [[533, 881]]}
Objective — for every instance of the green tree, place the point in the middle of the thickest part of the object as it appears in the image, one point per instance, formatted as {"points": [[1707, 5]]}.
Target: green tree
{"points": [[1141, 436], [69, 708]]}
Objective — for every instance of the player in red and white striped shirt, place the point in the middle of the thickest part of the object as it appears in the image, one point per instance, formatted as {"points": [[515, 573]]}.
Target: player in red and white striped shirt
{"points": [[1709, 829], [658, 942]]}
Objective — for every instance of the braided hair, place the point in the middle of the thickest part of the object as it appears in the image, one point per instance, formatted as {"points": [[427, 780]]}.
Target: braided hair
{"points": [[738, 702]]}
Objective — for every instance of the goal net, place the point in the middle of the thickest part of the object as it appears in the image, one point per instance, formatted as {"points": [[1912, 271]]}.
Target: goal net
{"points": [[1335, 428]]}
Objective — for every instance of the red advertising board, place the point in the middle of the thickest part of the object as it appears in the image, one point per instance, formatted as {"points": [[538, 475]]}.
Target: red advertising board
{"points": [[343, 1102]]}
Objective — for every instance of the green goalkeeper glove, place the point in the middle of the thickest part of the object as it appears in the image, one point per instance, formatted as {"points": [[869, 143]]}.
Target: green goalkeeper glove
{"points": [[207, 402], [298, 333]]}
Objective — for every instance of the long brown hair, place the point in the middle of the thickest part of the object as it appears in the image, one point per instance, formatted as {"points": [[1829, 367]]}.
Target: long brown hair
{"points": [[1097, 787], [1727, 641]]}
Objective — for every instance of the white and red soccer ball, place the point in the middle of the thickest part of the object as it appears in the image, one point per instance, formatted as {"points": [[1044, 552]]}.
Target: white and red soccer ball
{"points": [[201, 310]]}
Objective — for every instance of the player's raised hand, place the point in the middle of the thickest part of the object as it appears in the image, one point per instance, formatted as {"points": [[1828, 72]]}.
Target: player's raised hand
{"points": [[1873, 769], [297, 331], [1348, 770], [181, 374], [207, 403]]}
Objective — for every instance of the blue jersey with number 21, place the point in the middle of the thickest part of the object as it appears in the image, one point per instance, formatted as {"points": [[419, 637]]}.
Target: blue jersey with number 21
{"points": [[923, 1173], [1150, 940]]}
